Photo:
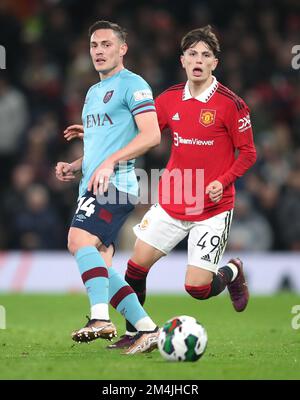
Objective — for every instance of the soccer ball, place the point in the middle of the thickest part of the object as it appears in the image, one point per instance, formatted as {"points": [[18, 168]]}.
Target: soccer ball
{"points": [[182, 339]]}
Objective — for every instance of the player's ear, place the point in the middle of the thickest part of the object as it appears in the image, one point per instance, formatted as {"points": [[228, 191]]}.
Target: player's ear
{"points": [[216, 61], [182, 61], [123, 49]]}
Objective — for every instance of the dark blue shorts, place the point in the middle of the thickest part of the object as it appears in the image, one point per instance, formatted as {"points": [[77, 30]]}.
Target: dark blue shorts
{"points": [[103, 216]]}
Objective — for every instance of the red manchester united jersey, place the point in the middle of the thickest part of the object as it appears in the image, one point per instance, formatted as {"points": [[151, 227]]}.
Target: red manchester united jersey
{"points": [[206, 132]]}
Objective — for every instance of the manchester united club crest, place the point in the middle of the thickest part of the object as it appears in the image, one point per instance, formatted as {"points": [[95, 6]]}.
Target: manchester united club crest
{"points": [[108, 96], [207, 117]]}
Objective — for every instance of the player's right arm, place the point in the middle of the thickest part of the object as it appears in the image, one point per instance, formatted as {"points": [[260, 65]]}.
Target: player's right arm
{"points": [[65, 172], [147, 137]]}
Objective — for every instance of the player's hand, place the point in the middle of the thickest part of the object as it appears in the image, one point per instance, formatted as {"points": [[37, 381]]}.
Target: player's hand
{"points": [[215, 191], [64, 172], [100, 178], [73, 131]]}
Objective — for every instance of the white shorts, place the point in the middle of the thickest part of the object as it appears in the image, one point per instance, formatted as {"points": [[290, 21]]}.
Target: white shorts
{"points": [[207, 239]]}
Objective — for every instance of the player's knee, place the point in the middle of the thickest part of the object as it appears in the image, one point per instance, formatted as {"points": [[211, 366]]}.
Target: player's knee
{"points": [[74, 244], [200, 292], [145, 255], [72, 247], [78, 238], [199, 279]]}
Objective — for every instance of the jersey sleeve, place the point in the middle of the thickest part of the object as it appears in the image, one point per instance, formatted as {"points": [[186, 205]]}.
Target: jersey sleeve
{"points": [[239, 128], [238, 123], [162, 115], [139, 97]]}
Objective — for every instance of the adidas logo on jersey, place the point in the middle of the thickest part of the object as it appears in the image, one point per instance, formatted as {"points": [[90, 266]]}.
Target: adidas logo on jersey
{"points": [[206, 258], [176, 117]]}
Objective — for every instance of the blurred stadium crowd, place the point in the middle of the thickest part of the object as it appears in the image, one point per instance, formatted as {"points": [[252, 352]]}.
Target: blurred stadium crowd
{"points": [[48, 72]]}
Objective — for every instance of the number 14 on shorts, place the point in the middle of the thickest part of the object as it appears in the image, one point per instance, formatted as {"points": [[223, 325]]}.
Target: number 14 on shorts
{"points": [[86, 204]]}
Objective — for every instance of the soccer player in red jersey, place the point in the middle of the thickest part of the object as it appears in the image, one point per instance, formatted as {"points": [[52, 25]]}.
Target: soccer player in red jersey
{"points": [[208, 124]]}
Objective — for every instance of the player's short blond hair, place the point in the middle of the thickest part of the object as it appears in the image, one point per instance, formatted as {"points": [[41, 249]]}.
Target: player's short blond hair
{"points": [[120, 32], [205, 35]]}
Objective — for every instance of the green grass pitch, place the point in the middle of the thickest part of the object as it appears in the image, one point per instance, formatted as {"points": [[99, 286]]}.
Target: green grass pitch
{"points": [[256, 344]]}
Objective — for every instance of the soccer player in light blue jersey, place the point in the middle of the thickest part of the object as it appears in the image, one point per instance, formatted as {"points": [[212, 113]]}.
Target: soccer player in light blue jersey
{"points": [[168, 223], [120, 123]]}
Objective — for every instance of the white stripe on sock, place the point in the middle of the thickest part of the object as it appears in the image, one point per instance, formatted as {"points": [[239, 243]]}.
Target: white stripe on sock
{"points": [[127, 333], [145, 324], [99, 311], [234, 270]]}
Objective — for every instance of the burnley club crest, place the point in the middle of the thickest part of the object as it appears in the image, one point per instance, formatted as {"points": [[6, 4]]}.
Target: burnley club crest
{"points": [[108, 96]]}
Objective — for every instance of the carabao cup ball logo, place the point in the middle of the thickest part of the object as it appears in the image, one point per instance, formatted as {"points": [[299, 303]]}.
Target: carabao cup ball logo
{"points": [[171, 325], [108, 96]]}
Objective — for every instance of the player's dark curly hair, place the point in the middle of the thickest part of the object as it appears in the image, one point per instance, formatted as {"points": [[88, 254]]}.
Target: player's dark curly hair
{"points": [[120, 32], [205, 35]]}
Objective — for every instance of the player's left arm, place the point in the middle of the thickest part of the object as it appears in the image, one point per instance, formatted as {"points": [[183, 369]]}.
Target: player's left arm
{"points": [[239, 128], [148, 136], [74, 131]]}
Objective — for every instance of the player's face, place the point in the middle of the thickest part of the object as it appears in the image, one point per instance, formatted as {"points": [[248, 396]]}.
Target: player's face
{"points": [[199, 62], [107, 52]]}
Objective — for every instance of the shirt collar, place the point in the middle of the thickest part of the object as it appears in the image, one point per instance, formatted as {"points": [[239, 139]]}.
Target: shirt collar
{"points": [[204, 96]]}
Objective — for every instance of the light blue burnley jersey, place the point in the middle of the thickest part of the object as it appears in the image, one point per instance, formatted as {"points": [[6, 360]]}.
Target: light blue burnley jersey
{"points": [[109, 125]]}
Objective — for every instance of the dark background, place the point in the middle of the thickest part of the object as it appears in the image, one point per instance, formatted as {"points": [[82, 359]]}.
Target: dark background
{"points": [[48, 71]]}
